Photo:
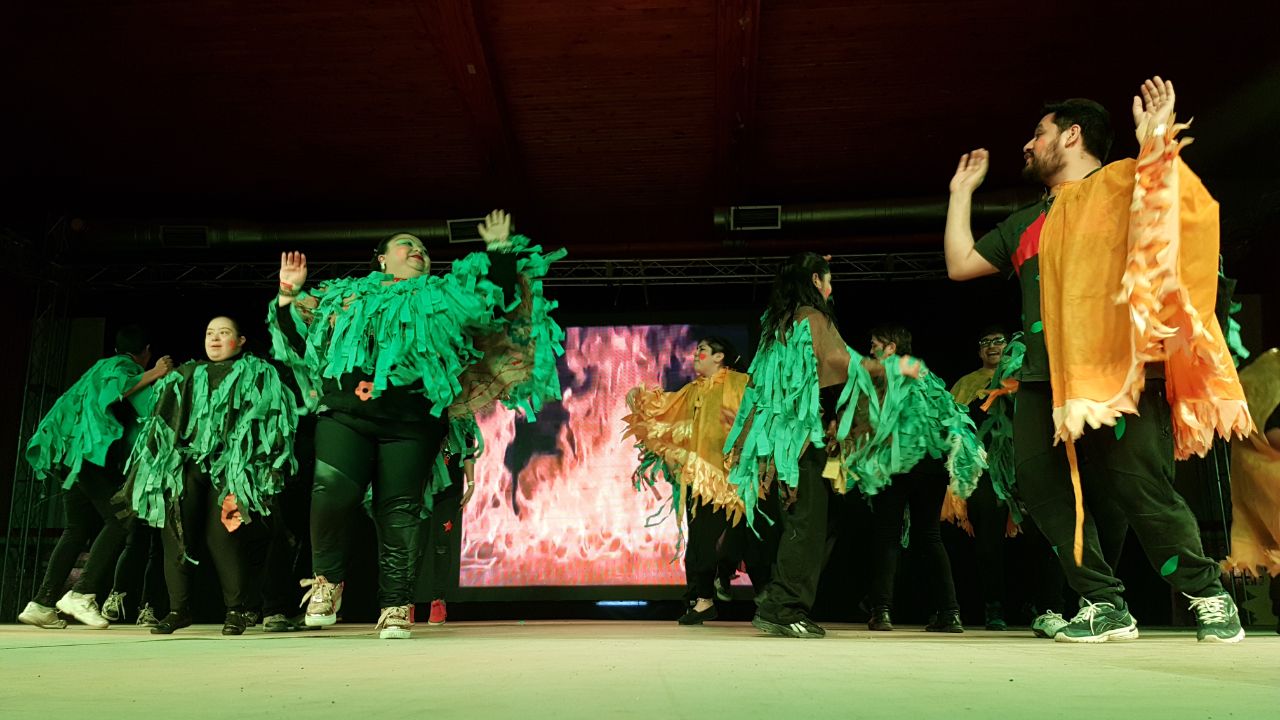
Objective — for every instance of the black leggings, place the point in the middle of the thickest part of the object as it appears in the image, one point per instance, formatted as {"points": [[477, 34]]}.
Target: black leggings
{"points": [[923, 490], [140, 569], [200, 509], [90, 516], [395, 458]]}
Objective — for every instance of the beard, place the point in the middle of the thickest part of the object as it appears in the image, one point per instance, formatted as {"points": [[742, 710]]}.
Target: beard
{"points": [[1044, 166]]}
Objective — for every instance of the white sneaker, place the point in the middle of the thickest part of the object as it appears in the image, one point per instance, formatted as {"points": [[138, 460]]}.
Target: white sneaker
{"points": [[113, 608], [1048, 624], [323, 601], [394, 624], [147, 616], [41, 616], [83, 607]]}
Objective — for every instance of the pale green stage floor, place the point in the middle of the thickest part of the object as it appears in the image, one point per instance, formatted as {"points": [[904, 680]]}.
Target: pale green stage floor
{"points": [[566, 670]]}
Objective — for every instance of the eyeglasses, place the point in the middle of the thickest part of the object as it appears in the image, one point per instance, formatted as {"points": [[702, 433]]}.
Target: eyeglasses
{"points": [[988, 342]]}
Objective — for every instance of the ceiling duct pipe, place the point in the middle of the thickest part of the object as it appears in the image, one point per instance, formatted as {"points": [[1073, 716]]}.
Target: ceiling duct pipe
{"points": [[112, 236], [904, 216]]}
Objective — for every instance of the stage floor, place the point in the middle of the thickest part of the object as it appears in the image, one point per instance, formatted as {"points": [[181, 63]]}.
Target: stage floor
{"points": [[567, 670]]}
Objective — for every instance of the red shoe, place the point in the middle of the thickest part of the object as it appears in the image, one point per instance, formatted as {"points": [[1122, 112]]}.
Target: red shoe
{"points": [[438, 613]]}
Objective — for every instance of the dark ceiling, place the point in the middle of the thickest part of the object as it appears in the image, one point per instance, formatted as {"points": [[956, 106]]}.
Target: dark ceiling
{"points": [[597, 122]]}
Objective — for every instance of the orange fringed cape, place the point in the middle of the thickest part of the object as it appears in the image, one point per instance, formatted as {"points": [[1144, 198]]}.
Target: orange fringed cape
{"points": [[1129, 265], [1255, 477], [687, 430]]}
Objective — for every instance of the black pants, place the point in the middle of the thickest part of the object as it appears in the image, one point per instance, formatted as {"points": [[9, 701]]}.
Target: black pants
{"points": [[990, 518], [1127, 473], [351, 454], [756, 548], [140, 569], [279, 545], [922, 490], [89, 516], [703, 559], [203, 534], [802, 543]]}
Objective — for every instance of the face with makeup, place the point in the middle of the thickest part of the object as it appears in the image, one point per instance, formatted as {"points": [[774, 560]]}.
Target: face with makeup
{"points": [[706, 361], [222, 339], [405, 257]]}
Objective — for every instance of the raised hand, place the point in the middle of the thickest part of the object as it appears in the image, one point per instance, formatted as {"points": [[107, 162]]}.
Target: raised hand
{"points": [[1154, 107], [971, 171], [496, 229], [293, 273], [163, 366]]}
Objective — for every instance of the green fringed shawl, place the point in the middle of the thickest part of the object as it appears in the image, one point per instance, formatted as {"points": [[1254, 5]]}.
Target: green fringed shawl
{"points": [[431, 330], [997, 430], [237, 426], [781, 415], [650, 471], [917, 418], [80, 426]]}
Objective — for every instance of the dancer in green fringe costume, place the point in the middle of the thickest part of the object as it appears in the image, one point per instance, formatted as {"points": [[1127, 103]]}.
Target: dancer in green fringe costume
{"points": [[381, 358], [210, 457], [926, 426], [82, 443], [806, 387]]}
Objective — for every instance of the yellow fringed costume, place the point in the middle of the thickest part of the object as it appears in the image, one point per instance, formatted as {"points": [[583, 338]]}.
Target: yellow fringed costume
{"points": [[1255, 477], [1149, 227], [686, 429]]}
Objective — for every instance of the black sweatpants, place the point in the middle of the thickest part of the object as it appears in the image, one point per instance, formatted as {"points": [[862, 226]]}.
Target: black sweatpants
{"points": [[802, 543], [441, 548], [140, 570], [353, 453], [1126, 473]]}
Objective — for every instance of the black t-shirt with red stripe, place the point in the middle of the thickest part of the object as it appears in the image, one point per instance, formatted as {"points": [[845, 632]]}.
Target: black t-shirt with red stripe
{"points": [[1014, 247]]}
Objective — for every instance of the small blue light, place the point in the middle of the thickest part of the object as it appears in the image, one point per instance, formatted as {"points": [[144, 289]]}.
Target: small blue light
{"points": [[622, 603]]}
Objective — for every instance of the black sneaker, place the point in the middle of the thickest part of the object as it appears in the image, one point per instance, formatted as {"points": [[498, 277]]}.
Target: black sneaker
{"points": [[880, 620], [1218, 618], [722, 589], [695, 617], [172, 621], [1096, 623], [946, 621], [235, 622], [803, 628], [995, 617]]}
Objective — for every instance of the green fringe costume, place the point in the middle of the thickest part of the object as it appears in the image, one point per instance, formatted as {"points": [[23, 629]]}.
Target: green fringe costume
{"points": [[997, 430], [81, 427], [456, 335], [917, 418], [781, 416], [235, 420]]}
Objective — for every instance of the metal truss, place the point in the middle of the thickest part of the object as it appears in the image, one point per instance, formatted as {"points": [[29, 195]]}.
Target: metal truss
{"points": [[565, 273], [35, 503]]}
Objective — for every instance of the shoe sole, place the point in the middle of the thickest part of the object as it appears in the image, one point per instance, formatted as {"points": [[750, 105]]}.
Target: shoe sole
{"points": [[394, 634], [435, 624], [1223, 641], [1042, 634], [1119, 635]]}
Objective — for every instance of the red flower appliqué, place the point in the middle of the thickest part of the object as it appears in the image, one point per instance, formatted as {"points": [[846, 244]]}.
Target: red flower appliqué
{"points": [[364, 390]]}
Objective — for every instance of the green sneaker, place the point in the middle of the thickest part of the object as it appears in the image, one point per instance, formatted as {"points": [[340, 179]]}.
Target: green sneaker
{"points": [[1097, 623], [1048, 624], [1218, 618]]}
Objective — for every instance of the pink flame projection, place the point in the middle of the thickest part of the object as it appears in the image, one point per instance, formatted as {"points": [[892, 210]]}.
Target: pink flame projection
{"points": [[576, 518]]}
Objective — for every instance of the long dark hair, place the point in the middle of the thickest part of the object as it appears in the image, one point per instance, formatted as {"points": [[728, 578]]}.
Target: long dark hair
{"points": [[792, 289], [732, 359]]}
